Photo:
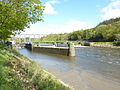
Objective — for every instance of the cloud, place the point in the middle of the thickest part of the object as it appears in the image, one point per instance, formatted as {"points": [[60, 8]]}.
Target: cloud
{"points": [[49, 9], [77, 25], [112, 10], [67, 27]]}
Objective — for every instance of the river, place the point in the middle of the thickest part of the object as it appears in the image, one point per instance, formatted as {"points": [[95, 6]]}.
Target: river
{"points": [[91, 68]]}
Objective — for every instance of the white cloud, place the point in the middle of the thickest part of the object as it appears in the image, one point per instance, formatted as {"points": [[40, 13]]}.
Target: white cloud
{"points": [[49, 9], [47, 28], [75, 24], [112, 10], [68, 27]]}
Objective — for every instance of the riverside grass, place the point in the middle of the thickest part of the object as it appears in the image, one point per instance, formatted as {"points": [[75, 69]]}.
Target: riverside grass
{"points": [[19, 73]]}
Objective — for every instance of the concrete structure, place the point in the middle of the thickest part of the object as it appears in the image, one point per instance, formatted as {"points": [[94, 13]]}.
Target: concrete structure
{"points": [[67, 51], [56, 47], [52, 50], [29, 46], [71, 49]]}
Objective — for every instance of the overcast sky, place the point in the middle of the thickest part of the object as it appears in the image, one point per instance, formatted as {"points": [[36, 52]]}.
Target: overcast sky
{"points": [[64, 16]]}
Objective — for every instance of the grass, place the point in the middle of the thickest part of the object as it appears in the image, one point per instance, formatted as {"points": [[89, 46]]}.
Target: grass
{"points": [[115, 43], [103, 42], [19, 73]]}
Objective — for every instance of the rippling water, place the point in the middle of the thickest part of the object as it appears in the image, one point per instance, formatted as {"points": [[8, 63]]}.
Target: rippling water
{"points": [[104, 61]]}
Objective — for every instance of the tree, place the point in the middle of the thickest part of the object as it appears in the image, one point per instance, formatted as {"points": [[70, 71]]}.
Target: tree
{"points": [[110, 21], [16, 15], [118, 37]]}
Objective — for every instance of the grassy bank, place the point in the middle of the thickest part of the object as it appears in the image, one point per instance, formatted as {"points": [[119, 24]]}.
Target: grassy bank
{"points": [[106, 44], [19, 73]]}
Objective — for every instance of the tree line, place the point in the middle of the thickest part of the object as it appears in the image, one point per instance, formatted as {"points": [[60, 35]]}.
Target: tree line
{"points": [[107, 31]]}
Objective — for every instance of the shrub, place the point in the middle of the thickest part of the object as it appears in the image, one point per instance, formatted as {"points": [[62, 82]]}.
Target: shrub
{"points": [[116, 43]]}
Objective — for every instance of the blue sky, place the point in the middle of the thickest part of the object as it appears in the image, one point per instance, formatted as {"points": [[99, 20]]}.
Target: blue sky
{"points": [[61, 16]]}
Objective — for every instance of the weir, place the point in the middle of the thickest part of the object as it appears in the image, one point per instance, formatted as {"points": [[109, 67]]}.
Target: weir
{"points": [[54, 47], [67, 51]]}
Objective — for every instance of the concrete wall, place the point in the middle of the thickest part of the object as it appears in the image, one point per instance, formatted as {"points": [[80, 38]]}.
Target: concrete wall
{"points": [[28, 46], [61, 51], [67, 51]]}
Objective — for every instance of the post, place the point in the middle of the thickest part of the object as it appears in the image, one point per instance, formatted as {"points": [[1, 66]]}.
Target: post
{"points": [[71, 49], [55, 44]]}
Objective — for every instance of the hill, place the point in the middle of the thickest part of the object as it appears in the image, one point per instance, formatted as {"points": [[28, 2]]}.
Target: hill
{"points": [[107, 31], [102, 33], [106, 22]]}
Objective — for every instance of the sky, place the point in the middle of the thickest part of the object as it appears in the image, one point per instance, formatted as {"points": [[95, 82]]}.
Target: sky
{"points": [[65, 16]]}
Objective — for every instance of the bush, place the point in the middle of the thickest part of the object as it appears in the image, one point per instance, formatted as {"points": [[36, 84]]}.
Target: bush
{"points": [[116, 43]]}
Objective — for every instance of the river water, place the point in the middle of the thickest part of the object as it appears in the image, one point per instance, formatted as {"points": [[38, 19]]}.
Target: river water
{"points": [[101, 62]]}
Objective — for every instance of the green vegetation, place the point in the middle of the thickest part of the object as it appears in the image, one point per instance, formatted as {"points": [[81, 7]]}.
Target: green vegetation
{"points": [[107, 31], [19, 73], [106, 22], [54, 37], [16, 15], [116, 43], [101, 33]]}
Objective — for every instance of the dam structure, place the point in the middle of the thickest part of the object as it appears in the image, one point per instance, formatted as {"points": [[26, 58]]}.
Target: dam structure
{"points": [[54, 48], [66, 48]]}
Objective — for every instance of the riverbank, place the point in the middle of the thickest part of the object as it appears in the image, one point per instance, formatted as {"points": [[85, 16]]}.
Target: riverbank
{"points": [[104, 44], [19, 73]]}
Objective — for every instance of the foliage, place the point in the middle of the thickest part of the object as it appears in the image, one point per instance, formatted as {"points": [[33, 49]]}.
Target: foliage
{"points": [[106, 22], [107, 31], [116, 43], [2, 45], [101, 33], [54, 37], [118, 37], [16, 15]]}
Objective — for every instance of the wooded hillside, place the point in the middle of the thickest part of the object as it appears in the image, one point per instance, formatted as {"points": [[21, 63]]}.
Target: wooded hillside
{"points": [[107, 31]]}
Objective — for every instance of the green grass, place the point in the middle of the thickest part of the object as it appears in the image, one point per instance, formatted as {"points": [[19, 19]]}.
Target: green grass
{"points": [[115, 43], [103, 42], [19, 73], [2, 46]]}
